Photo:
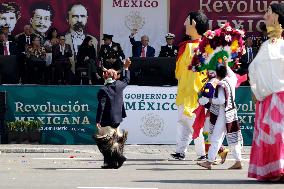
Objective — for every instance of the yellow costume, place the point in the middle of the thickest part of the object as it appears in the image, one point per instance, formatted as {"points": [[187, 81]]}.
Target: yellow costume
{"points": [[189, 82]]}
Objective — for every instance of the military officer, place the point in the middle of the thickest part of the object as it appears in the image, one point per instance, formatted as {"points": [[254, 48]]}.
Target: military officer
{"points": [[111, 54], [169, 50]]}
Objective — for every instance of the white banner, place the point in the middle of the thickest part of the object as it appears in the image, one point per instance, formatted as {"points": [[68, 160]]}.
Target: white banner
{"points": [[151, 115], [150, 17]]}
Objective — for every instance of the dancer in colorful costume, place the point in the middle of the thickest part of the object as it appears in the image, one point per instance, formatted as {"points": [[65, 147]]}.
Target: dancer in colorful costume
{"points": [[223, 118], [266, 73], [189, 84], [221, 45], [208, 92]]}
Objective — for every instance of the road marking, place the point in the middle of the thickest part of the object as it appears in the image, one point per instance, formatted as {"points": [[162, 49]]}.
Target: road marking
{"points": [[63, 158], [98, 160], [111, 188], [79, 169], [235, 159]]}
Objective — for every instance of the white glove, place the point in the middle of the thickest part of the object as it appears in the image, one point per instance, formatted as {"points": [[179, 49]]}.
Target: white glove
{"points": [[203, 100]]}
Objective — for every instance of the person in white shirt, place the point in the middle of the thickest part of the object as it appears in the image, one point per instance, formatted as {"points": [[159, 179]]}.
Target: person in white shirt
{"points": [[266, 73], [223, 118]]}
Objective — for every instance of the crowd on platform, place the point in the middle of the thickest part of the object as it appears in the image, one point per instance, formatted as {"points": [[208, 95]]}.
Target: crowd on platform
{"points": [[46, 57], [50, 60]]}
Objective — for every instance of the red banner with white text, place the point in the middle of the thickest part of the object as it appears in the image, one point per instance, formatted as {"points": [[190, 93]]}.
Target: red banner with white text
{"points": [[247, 14]]}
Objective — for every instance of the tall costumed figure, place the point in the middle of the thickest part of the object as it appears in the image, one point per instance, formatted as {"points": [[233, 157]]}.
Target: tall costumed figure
{"points": [[266, 73]]}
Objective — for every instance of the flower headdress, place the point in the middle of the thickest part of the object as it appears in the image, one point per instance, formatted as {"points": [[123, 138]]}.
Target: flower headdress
{"points": [[225, 41]]}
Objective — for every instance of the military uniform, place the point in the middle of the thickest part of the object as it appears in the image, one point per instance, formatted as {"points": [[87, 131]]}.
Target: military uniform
{"points": [[169, 50], [112, 51]]}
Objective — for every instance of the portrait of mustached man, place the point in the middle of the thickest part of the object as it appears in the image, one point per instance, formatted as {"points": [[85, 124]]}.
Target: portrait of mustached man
{"points": [[42, 15], [77, 18]]}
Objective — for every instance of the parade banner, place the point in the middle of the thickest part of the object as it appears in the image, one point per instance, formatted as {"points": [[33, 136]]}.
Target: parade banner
{"points": [[246, 112], [148, 17], [67, 113], [246, 14], [152, 114]]}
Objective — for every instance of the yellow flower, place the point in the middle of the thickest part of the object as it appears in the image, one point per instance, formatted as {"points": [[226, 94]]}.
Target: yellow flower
{"points": [[208, 49], [235, 46]]}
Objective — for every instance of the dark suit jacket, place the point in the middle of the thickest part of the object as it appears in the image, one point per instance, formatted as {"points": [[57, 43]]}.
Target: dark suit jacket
{"points": [[110, 102], [12, 48], [21, 42], [11, 38], [244, 60], [137, 49], [166, 51], [57, 55], [83, 52]]}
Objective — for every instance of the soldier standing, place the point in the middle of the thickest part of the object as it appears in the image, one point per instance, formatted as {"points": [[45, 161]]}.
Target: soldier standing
{"points": [[111, 54], [169, 50]]}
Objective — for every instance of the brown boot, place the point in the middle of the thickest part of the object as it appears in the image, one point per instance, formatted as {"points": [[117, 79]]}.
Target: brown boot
{"points": [[206, 164], [223, 155], [237, 165]]}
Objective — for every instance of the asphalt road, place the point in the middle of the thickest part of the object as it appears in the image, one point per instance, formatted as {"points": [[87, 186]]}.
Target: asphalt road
{"points": [[142, 170]]}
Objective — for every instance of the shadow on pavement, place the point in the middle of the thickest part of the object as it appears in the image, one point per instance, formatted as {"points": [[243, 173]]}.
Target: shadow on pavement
{"points": [[217, 182], [166, 169], [54, 169], [159, 163]]}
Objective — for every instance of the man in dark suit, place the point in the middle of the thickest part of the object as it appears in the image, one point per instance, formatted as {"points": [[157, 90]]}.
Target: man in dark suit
{"points": [[24, 39], [7, 47], [169, 50], [247, 58], [110, 113], [111, 54], [61, 54], [141, 48]]}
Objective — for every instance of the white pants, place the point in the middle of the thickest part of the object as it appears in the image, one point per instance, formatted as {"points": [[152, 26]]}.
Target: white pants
{"points": [[184, 134], [217, 137]]}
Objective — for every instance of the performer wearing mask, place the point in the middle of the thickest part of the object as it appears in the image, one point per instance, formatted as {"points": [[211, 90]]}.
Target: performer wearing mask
{"points": [[266, 73], [189, 84]]}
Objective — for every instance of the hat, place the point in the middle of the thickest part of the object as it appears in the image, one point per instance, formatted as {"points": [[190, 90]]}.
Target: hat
{"points": [[170, 36], [107, 36]]}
